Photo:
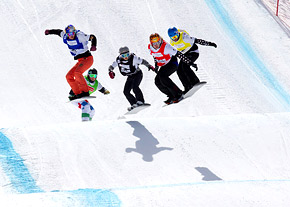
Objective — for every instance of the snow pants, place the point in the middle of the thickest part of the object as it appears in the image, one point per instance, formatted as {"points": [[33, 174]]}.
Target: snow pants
{"points": [[186, 75], [133, 82], [75, 76], [164, 83]]}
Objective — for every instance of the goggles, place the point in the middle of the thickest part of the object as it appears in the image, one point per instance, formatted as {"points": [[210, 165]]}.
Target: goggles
{"points": [[156, 44], [71, 32], [125, 55], [93, 75], [174, 37]]}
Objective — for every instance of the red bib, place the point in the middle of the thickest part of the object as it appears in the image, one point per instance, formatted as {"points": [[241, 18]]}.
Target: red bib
{"points": [[159, 56]]}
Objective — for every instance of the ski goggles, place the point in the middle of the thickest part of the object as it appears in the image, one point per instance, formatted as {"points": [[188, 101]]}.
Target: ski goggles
{"points": [[70, 34], [156, 44], [93, 75], [175, 37], [125, 55]]}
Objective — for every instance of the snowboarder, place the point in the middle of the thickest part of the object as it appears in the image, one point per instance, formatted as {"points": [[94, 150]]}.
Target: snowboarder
{"points": [[88, 110], [77, 42], [165, 57], [186, 44], [128, 64]]}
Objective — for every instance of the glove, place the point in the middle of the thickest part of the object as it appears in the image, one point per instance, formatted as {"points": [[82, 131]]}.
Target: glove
{"points": [[156, 69], [106, 92], [93, 48], [212, 44], [112, 74], [46, 32], [195, 66], [151, 68]]}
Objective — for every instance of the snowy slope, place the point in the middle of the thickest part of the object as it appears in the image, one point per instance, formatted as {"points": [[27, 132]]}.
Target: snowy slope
{"points": [[38, 75], [280, 9], [226, 146]]}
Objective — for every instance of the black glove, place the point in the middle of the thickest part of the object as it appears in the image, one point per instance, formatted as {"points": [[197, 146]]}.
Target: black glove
{"points": [[155, 69], [150, 67], [195, 66], [212, 44]]}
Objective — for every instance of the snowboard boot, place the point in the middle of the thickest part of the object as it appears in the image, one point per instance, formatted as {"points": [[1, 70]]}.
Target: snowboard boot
{"points": [[72, 97], [177, 98], [83, 94], [132, 107], [169, 101], [140, 103]]}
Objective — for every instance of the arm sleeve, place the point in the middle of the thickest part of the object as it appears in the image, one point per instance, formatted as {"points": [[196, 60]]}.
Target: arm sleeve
{"points": [[170, 50], [114, 64], [144, 62], [137, 61], [102, 90], [100, 87], [188, 39], [184, 58], [56, 32], [83, 37], [202, 42]]}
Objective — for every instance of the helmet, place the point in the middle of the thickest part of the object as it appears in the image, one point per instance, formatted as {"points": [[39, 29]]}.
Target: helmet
{"points": [[124, 52], [172, 32], [155, 38], [124, 49], [93, 73], [70, 30]]}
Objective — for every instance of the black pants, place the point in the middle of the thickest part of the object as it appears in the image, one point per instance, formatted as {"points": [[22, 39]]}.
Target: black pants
{"points": [[185, 73], [133, 82], [164, 83]]}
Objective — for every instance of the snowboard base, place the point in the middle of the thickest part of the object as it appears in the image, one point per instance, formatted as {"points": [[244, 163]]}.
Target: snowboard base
{"points": [[138, 108]]}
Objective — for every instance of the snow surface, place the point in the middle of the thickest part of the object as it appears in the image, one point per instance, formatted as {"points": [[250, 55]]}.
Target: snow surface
{"points": [[283, 7], [228, 145]]}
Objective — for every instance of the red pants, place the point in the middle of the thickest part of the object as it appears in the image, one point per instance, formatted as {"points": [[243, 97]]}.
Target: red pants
{"points": [[75, 76]]}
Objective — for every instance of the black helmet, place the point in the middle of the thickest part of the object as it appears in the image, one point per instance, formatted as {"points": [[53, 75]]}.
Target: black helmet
{"points": [[93, 71]]}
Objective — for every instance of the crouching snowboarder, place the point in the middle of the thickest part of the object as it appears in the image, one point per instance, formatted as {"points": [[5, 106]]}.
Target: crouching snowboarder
{"points": [[88, 110]]}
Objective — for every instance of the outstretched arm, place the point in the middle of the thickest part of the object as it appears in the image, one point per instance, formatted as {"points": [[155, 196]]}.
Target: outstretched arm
{"points": [[206, 43], [53, 31], [150, 67], [104, 91]]}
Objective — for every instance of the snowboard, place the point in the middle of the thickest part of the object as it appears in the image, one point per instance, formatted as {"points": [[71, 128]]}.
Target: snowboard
{"points": [[192, 91], [138, 108], [81, 99]]}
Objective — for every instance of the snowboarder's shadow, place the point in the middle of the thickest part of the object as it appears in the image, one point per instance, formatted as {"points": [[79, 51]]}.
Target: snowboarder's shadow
{"points": [[146, 145]]}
